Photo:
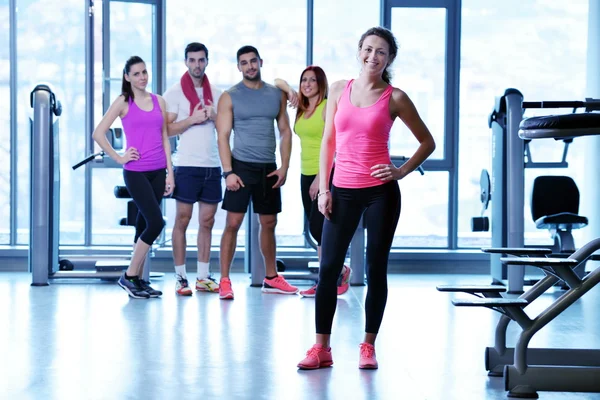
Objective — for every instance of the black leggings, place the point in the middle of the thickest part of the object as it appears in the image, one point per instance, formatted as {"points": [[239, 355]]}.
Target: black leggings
{"points": [[381, 208], [147, 189], [311, 208]]}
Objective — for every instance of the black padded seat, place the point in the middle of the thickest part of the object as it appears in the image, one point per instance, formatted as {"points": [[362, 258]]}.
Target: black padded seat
{"points": [[121, 192], [561, 221], [560, 127], [555, 203]]}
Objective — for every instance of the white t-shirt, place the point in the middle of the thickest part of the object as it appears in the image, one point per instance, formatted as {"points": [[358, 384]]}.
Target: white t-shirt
{"points": [[197, 145]]}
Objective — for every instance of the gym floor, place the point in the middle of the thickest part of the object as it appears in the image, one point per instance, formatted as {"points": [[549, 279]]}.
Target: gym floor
{"points": [[88, 340]]}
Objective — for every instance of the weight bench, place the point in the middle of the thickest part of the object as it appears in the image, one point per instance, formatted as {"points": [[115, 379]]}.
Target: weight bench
{"points": [[528, 370]]}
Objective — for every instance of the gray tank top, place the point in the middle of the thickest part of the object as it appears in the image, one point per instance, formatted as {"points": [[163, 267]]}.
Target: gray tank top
{"points": [[254, 113]]}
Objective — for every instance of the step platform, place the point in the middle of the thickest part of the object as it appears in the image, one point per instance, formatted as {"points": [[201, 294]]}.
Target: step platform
{"points": [[472, 289], [490, 303], [540, 261], [518, 251]]}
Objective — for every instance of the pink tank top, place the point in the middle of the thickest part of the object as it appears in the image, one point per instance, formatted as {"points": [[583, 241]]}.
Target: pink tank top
{"points": [[362, 136], [143, 130]]}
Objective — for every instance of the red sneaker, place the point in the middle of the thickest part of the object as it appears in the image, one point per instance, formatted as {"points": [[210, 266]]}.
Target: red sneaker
{"points": [[278, 285], [317, 357], [344, 280], [367, 357], [225, 290], [309, 292]]}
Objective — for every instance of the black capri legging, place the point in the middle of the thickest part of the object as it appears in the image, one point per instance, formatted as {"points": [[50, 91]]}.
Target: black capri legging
{"points": [[147, 189], [381, 208], [311, 208]]}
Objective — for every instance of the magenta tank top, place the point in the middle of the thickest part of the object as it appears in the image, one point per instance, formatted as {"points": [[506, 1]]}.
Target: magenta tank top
{"points": [[362, 135], [143, 130]]}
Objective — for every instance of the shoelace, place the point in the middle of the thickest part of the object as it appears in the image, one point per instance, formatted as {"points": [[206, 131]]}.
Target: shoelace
{"points": [[366, 351], [145, 285], [313, 351], [181, 280]]}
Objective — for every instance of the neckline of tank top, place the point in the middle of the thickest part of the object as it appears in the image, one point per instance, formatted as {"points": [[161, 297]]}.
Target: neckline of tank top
{"points": [[304, 117], [141, 109], [264, 85], [351, 83]]}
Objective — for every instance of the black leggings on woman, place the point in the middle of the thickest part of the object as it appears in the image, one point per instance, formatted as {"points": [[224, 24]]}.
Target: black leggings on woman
{"points": [[147, 189], [381, 208], [311, 208]]}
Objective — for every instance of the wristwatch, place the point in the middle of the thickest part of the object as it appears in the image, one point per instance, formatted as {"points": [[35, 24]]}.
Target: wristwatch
{"points": [[226, 174]]}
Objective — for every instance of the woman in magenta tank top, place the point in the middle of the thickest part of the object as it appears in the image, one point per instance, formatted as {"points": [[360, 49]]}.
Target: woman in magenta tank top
{"points": [[359, 116], [147, 168]]}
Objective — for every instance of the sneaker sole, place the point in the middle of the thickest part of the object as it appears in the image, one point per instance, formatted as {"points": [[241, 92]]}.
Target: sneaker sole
{"points": [[226, 297], [125, 288], [277, 291], [310, 296], [322, 365], [183, 294], [206, 290], [368, 367]]}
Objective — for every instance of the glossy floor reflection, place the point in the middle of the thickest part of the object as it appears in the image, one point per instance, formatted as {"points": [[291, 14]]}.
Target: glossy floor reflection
{"points": [[90, 341]]}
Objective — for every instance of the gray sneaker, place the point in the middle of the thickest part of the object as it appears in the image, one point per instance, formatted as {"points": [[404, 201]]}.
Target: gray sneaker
{"points": [[133, 287]]}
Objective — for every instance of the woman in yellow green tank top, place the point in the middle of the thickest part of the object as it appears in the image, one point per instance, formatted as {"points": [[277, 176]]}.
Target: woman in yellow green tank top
{"points": [[311, 102]]}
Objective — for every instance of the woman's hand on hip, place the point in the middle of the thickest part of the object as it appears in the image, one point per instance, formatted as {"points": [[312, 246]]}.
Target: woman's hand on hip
{"points": [[386, 172], [131, 154]]}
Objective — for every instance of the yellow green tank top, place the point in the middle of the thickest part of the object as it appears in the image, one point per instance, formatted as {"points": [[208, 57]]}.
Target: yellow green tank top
{"points": [[310, 132]]}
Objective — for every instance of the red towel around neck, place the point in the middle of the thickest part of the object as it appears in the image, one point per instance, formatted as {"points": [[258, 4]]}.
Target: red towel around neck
{"points": [[189, 91]]}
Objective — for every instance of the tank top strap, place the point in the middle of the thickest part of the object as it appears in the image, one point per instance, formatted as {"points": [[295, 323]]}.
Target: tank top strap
{"points": [[155, 101]]}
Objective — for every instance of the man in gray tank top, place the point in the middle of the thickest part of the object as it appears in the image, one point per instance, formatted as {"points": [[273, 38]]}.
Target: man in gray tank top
{"points": [[250, 108]]}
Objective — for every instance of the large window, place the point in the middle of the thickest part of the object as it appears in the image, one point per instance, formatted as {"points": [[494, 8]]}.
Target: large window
{"points": [[50, 47], [4, 123], [135, 22], [538, 48], [279, 34]]}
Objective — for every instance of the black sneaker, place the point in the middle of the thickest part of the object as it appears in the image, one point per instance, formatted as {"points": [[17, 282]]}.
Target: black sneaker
{"points": [[146, 287], [132, 287]]}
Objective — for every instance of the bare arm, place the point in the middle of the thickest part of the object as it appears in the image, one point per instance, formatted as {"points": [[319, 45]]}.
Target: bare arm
{"points": [[170, 180], [165, 135], [292, 95], [285, 134], [328, 141], [177, 128], [117, 109], [224, 126], [404, 108]]}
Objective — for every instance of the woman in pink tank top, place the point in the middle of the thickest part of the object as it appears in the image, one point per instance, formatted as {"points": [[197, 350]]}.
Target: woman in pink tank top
{"points": [[147, 168], [360, 114]]}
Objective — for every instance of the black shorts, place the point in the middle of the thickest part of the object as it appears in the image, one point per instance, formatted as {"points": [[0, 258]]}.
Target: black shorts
{"points": [[265, 199], [193, 184]]}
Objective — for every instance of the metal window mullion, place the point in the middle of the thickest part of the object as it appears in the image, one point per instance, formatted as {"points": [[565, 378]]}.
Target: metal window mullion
{"points": [[12, 38], [452, 108], [89, 117], [310, 24]]}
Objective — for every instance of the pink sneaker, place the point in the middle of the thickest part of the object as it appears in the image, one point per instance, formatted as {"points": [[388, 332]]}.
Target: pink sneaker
{"points": [[309, 292], [278, 285], [317, 357], [367, 357], [344, 280], [225, 290]]}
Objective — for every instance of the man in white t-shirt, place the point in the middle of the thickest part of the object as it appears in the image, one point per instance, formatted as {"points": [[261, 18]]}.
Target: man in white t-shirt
{"points": [[191, 112]]}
